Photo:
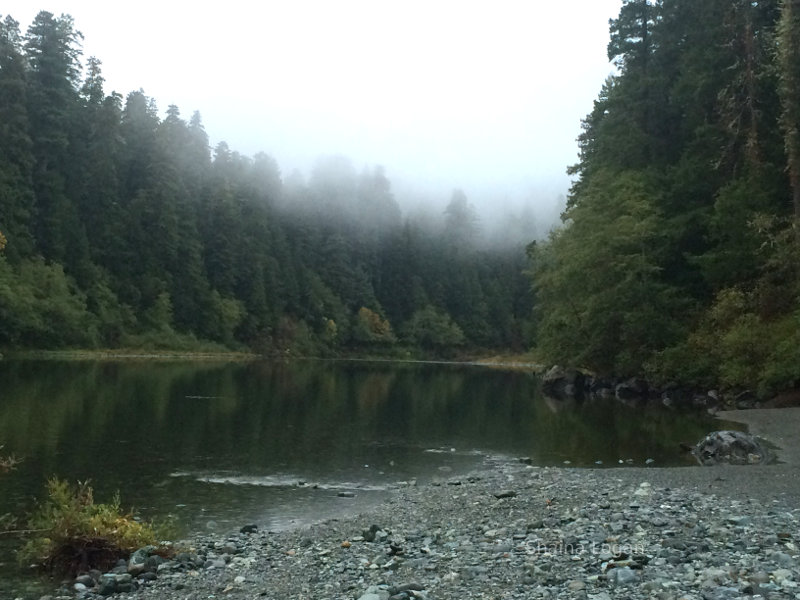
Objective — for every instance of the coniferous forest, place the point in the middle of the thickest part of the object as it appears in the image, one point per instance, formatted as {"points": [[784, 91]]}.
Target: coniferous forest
{"points": [[124, 229], [679, 252], [677, 257]]}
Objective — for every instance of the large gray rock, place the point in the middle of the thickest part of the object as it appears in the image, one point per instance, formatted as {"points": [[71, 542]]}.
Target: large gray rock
{"points": [[138, 561], [631, 389], [622, 576], [730, 447], [559, 382]]}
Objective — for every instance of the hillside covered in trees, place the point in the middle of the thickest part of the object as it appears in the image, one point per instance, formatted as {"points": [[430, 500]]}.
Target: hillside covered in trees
{"points": [[123, 229], [678, 256]]}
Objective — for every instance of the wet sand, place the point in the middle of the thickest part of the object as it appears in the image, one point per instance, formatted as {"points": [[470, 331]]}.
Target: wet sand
{"points": [[779, 426], [778, 481]]}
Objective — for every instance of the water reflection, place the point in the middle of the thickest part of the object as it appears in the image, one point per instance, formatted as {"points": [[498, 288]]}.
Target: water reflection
{"points": [[133, 426]]}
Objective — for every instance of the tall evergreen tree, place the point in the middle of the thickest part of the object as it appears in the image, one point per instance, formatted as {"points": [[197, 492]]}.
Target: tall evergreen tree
{"points": [[53, 51], [789, 69], [17, 201]]}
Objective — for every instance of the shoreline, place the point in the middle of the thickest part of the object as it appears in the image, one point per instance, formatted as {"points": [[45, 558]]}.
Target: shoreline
{"points": [[127, 355], [778, 426], [513, 530]]}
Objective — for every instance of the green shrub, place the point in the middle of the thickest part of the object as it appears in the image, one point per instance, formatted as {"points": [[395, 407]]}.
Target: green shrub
{"points": [[736, 347], [433, 328], [72, 533]]}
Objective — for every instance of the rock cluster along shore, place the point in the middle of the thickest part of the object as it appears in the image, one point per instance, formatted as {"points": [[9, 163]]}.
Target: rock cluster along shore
{"points": [[509, 531], [563, 383]]}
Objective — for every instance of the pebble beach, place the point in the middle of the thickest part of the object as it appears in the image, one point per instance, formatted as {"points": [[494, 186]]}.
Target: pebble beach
{"points": [[515, 530]]}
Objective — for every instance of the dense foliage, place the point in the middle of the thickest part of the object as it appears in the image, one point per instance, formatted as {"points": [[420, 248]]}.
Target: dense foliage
{"points": [[123, 229], [679, 251]]}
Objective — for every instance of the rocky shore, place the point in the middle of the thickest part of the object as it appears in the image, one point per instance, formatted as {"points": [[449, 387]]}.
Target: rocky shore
{"points": [[512, 530], [573, 384]]}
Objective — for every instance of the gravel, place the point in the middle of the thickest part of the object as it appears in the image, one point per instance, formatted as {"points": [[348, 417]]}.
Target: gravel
{"points": [[513, 530]]}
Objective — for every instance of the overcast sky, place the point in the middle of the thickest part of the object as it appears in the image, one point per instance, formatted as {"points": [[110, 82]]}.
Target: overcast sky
{"points": [[479, 95]]}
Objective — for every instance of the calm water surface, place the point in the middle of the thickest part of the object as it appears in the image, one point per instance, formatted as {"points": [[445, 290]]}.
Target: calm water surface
{"points": [[221, 445]]}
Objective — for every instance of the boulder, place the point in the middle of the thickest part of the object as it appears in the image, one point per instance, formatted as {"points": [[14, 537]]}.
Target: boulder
{"points": [[138, 561], [631, 389], [559, 382], [674, 396], [730, 447], [746, 400]]}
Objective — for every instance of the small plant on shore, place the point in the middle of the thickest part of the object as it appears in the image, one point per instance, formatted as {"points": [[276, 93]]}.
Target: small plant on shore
{"points": [[72, 533]]}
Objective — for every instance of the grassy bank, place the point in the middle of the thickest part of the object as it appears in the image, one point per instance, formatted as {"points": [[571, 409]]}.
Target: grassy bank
{"points": [[522, 362]]}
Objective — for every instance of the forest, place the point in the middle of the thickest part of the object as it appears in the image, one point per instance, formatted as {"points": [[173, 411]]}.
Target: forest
{"points": [[124, 229], [677, 259], [678, 256]]}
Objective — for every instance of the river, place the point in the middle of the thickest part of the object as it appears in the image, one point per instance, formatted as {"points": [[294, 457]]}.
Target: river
{"points": [[220, 445]]}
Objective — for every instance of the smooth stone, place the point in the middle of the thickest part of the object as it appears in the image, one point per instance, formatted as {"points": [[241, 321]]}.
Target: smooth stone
{"points": [[229, 549], [164, 567], [623, 576], [86, 580], [216, 563], [783, 559], [407, 587], [722, 593], [375, 593], [108, 585], [505, 494], [781, 575], [713, 576], [153, 562], [760, 577], [576, 586], [142, 554]]}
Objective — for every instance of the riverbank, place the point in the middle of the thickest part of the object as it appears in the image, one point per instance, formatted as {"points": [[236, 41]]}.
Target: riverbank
{"points": [[513, 530], [128, 354]]}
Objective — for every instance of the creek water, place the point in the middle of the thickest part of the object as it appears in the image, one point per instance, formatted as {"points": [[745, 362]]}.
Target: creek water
{"points": [[220, 445]]}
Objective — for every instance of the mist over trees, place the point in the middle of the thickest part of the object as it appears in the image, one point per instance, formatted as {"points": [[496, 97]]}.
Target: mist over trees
{"points": [[679, 250], [123, 228], [677, 258]]}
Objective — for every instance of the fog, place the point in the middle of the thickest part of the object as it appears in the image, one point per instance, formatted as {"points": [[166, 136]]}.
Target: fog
{"points": [[444, 95]]}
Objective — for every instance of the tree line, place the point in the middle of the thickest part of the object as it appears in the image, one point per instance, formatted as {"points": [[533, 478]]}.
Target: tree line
{"points": [[678, 256], [121, 228]]}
